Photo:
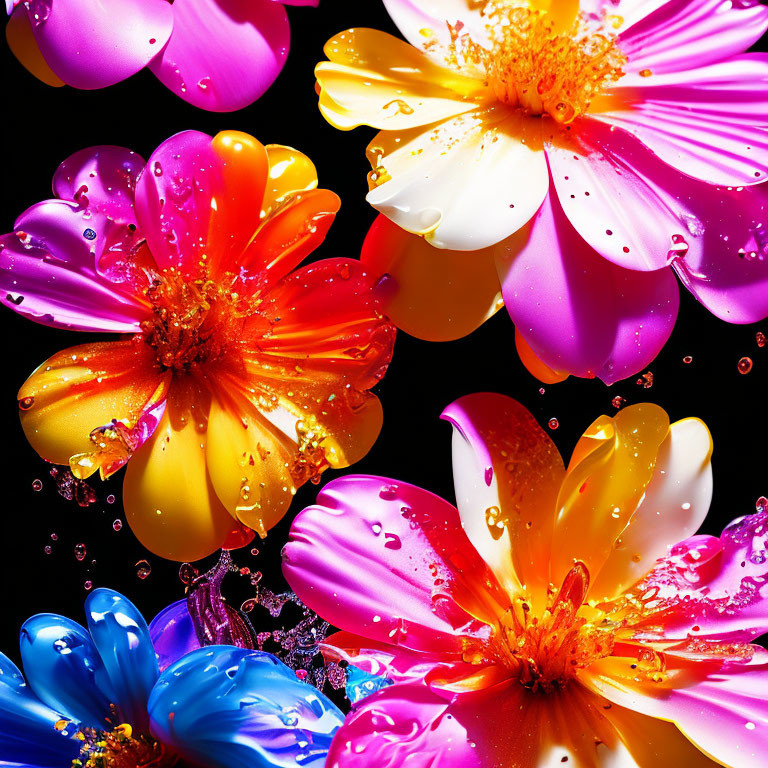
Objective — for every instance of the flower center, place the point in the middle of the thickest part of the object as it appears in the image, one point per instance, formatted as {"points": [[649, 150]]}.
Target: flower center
{"points": [[121, 749], [532, 66], [546, 651], [193, 322]]}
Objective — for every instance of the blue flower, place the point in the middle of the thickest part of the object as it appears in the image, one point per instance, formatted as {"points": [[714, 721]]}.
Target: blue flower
{"points": [[96, 698]]}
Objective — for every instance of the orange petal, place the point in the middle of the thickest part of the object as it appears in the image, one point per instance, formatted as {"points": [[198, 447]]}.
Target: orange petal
{"points": [[537, 367], [610, 469], [236, 205], [431, 293], [290, 234], [83, 388], [290, 171], [21, 41], [169, 499]]}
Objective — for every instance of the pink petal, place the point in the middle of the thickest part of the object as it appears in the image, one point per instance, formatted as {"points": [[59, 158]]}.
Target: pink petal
{"points": [[579, 312], [102, 179], [725, 713], [403, 725], [682, 34], [716, 587], [728, 274], [312, 3], [91, 44], [48, 271], [714, 237], [223, 54], [389, 561], [173, 199], [709, 123]]}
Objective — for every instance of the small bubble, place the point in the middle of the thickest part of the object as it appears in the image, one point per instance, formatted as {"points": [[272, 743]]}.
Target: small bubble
{"points": [[117, 525], [143, 569], [645, 381], [553, 423], [761, 504], [80, 551], [388, 492], [48, 549], [248, 605], [54, 537], [89, 234], [760, 339], [618, 401], [88, 585], [688, 359], [110, 499], [37, 485], [745, 365], [542, 391], [254, 551]]}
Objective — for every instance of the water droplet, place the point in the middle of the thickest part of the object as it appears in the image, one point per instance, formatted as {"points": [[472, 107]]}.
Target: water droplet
{"points": [[117, 525], [553, 423], [618, 401], [745, 365], [388, 492], [89, 234], [392, 541], [48, 549], [37, 485], [688, 359], [110, 499], [143, 569], [376, 528], [760, 339], [80, 551], [88, 585], [26, 403]]}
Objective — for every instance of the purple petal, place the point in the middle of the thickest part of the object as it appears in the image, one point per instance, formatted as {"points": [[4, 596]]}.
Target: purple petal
{"points": [[579, 312], [682, 34], [223, 54], [709, 123], [92, 44], [102, 179], [173, 634], [173, 199], [48, 271]]}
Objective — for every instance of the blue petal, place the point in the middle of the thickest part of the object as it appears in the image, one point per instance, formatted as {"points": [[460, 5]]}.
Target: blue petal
{"points": [[27, 732], [360, 685], [173, 633], [65, 670], [228, 707], [121, 637]]}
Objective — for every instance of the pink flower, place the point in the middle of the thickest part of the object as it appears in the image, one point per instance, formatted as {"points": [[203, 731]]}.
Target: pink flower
{"points": [[219, 55], [580, 151], [546, 621]]}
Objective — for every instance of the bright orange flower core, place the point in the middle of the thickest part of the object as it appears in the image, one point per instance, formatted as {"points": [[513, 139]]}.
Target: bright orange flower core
{"points": [[194, 322], [545, 651], [119, 749], [532, 66]]}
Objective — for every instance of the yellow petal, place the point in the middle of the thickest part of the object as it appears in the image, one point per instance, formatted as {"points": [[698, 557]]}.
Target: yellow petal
{"points": [[81, 389], [376, 79], [249, 462], [290, 171], [608, 474], [21, 41], [433, 294], [169, 499]]}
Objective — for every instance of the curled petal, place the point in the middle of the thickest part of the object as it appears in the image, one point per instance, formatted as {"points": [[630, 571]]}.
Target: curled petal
{"points": [[173, 634]]}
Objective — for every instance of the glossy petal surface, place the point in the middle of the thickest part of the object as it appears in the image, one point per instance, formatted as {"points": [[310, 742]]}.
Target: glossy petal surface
{"points": [[122, 639], [173, 634], [223, 54], [431, 293], [226, 707]]}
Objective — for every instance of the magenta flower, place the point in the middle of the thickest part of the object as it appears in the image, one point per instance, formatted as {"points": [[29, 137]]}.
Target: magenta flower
{"points": [[559, 616], [580, 150], [219, 55]]}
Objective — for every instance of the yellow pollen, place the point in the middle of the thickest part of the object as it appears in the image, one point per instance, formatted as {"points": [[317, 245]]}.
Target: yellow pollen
{"points": [[545, 652], [530, 65], [121, 749]]}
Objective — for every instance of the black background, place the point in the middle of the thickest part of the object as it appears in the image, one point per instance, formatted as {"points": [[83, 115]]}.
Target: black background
{"points": [[43, 125]]}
